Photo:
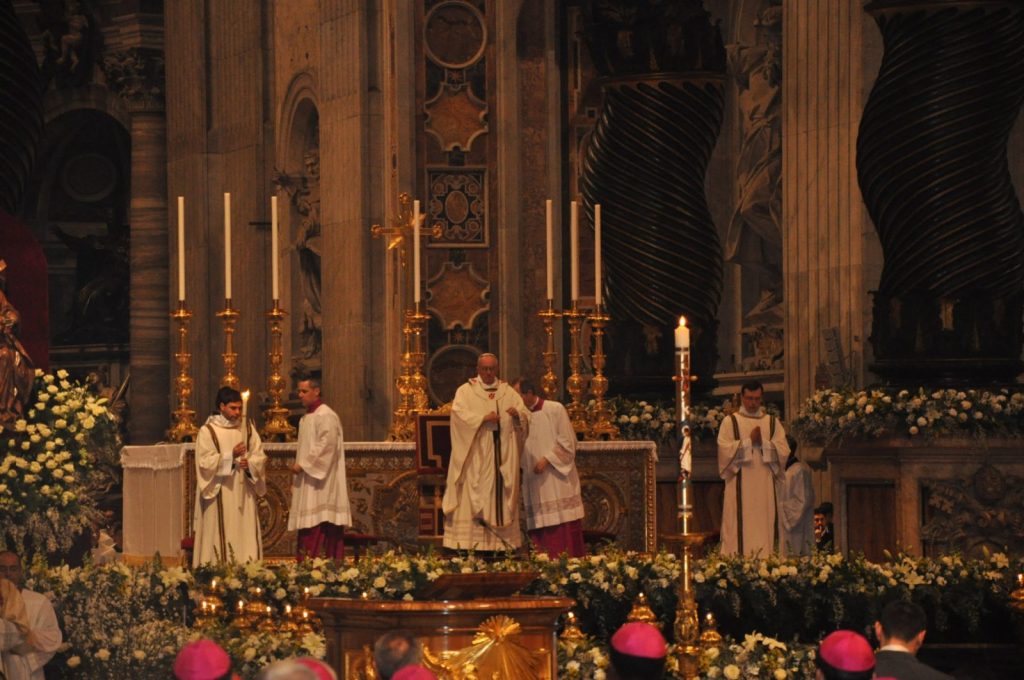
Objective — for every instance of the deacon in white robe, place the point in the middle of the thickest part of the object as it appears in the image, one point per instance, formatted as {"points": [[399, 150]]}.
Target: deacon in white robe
{"points": [[29, 632], [320, 507], [230, 477], [551, 484], [752, 454], [796, 509], [481, 500]]}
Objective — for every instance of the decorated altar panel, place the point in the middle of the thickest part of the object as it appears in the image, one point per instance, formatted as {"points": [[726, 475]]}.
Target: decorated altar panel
{"points": [[617, 480]]}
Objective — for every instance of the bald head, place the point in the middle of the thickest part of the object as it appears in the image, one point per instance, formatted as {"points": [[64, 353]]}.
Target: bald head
{"points": [[487, 368]]}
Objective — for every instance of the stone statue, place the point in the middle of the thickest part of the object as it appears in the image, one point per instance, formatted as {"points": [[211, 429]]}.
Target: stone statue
{"points": [[754, 237], [16, 371], [305, 197]]}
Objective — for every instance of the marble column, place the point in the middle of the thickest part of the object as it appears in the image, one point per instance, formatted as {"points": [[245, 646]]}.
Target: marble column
{"points": [[831, 256]]}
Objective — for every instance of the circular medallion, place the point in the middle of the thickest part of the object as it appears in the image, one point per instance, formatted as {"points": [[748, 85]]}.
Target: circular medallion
{"points": [[88, 177], [448, 368], [454, 34]]}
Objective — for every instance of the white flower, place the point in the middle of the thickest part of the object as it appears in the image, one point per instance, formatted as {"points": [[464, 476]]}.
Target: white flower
{"points": [[731, 671], [74, 661], [103, 654], [139, 654], [780, 674]]}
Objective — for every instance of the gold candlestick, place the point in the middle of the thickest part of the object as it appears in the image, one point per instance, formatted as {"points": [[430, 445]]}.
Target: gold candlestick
{"points": [[575, 382], [549, 382], [275, 417], [601, 424], [184, 428], [230, 318], [411, 384]]}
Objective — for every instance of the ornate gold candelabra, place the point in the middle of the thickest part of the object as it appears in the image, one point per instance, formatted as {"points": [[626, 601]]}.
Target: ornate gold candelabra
{"points": [[411, 384], [275, 417], [230, 318], [601, 424], [184, 428], [549, 381], [574, 384]]}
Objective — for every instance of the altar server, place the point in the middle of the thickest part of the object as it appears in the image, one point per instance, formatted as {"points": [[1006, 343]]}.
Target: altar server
{"points": [[230, 476], [29, 633], [752, 454], [551, 484], [320, 506], [481, 500]]}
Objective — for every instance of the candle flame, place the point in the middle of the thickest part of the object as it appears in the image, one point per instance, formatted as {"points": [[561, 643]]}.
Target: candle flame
{"points": [[682, 320], [245, 395]]}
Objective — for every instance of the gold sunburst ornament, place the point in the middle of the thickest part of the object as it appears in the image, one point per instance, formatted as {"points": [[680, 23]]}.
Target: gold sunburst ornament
{"points": [[494, 653]]}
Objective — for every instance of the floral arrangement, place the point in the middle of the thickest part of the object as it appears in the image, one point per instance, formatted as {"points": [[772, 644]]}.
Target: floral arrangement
{"points": [[831, 415], [800, 597], [49, 464], [656, 420], [130, 622]]}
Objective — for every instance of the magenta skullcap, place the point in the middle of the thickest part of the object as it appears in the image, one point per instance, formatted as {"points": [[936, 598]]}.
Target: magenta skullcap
{"points": [[413, 673], [201, 660], [847, 651], [641, 640]]}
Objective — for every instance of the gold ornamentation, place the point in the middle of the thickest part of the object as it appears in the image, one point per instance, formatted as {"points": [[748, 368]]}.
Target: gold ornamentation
{"points": [[411, 384], [275, 417], [601, 425], [230, 318], [572, 629], [549, 381], [494, 653], [710, 637], [642, 612], [574, 385], [184, 428]]}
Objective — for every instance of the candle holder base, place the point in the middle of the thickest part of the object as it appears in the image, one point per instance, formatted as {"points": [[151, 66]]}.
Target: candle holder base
{"points": [[184, 428], [230, 318], [549, 381], [575, 384], [275, 417]]}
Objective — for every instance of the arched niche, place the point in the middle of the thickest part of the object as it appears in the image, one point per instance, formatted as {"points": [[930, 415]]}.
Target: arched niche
{"points": [[298, 186]]}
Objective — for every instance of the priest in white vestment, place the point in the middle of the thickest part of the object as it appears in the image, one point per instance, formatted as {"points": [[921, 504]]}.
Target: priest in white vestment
{"points": [[551, 484], [29, 632], [481, 500], [320, 508], [796, 508], [752, 454], [230, 477]]}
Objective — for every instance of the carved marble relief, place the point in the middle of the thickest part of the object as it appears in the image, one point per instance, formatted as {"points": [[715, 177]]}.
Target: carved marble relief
{"points": [[972, 513], [457, 200], [754, 236]]}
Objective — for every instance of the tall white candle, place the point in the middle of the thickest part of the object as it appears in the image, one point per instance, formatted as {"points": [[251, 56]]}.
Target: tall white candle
{"points": [[550, 240], [597, 255], [416, 251], [245, 406], [181, 248], [574, 270], [682, 336], [275, 275], [227, 246]]}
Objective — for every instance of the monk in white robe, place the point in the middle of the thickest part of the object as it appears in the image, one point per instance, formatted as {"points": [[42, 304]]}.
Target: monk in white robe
{"points": [[481, 500], [320, 508], [752, 453], [29, 633], [551, 484], [796, 509], [230, 477]]}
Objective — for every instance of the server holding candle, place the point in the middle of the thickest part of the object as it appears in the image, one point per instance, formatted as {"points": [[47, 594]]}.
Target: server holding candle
{"points": [[230, 476]]}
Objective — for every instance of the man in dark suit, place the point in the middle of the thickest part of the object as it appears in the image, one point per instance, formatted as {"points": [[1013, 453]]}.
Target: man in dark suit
{"points": [[901, 631]]}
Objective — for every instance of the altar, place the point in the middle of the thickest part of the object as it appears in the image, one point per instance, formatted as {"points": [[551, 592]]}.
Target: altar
{"points": [[617, 480]]}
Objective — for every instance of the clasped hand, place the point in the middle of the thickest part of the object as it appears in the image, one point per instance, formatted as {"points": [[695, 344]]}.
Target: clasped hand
{"points": [[239, 453]]}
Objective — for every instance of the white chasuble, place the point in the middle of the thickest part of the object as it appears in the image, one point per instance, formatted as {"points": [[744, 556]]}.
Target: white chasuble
{"points": [[320, 491], [481, 499], [553, 496], [226, 519], [796, 511], [750, 473]]}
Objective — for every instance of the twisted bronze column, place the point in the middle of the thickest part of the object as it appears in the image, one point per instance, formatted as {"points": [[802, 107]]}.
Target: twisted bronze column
{"points": [[663, 68], [932, 166]]}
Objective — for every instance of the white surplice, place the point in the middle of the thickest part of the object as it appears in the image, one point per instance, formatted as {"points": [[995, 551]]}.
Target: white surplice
{"points": [[553, 496], [750, 473], [796, 511], [479, 488], [24, 653], [320, 491], [226, 520]]}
